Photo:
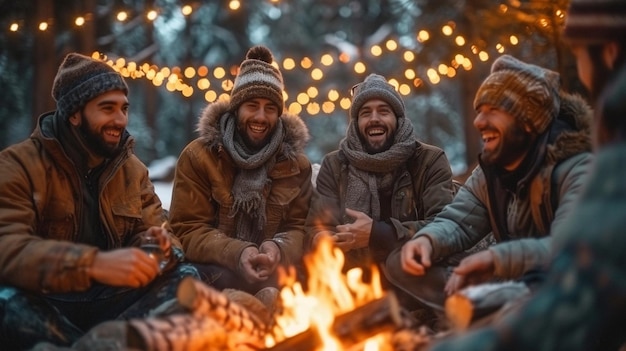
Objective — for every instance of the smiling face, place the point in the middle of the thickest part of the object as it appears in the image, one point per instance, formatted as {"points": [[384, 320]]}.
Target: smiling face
{"points": [[506, 140], [102, 122], [377, 125], [256, 121]]}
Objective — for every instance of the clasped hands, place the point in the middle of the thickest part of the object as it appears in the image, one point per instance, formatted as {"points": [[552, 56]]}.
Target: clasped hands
{"points": [[474, 269], [258, 264]]}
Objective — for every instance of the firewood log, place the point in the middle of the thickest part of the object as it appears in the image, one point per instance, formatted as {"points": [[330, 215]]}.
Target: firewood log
{"points": [[186, 332], [475, 302], [353, 327], [201, 299]]}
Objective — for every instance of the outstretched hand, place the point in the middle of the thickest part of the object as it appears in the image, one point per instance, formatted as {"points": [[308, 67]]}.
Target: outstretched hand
{"points": [[474, 269], [415, 255]]}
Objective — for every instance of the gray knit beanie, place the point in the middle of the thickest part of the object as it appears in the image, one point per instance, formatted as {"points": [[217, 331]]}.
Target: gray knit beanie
{"points": [[257, 78], [375, 87], [595, 21], [80, 79], [529, 93]]}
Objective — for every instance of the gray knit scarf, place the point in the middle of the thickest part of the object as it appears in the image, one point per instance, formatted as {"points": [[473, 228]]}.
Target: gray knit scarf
{"points": [[367, 173], [249, 200]]}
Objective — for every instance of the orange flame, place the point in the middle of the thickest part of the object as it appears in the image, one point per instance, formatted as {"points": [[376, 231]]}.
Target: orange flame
{"points": [[329, 294]]}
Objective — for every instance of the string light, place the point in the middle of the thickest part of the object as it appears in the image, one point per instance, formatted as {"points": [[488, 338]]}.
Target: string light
{"points": [[178, 80], [186, 10], [234, 5], [122, 16], [152, 15], [172, 78]]}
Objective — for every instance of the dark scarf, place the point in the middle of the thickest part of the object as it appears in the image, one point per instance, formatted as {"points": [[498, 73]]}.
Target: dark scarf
{"points": [[90, 168], [370, 173], [251, 180]]}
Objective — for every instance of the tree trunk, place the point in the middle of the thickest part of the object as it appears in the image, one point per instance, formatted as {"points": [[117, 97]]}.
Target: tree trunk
{"points": [[86, 35], [44, 61]]}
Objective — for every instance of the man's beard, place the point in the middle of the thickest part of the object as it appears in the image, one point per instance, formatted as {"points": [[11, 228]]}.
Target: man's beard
{"points": [[95, 141], [374, 149], [254, 145], [514, 143]]}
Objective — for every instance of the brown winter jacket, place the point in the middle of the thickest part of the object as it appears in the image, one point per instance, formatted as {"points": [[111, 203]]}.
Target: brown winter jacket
{"points": [[420, 192], [202, 196], [40, 211]]}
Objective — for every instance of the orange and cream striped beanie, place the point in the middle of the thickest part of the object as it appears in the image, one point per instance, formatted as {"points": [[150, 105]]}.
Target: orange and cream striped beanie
{"points": [[528, 92]]}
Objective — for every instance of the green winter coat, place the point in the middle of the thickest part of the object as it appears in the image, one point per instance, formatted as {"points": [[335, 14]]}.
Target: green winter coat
{"points": [[558, 184], [40, 211], [202, 196]]}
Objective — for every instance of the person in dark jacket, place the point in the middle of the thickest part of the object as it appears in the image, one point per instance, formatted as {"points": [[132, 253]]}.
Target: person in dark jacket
{"points": [[382, 184], [582, 304], [242, 189], [75, 202], [532, 169]]}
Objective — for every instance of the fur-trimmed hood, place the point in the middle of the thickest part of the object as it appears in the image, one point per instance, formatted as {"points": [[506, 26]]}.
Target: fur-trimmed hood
{"points": [[296, 132], [578, 115]]}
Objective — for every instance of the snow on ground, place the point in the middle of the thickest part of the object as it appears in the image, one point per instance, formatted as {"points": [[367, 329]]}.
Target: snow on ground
{"points": [[164, 190], [161, 172]]}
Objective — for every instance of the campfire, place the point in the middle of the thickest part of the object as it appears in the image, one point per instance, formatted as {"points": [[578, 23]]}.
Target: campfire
{"points": [[337, 311]]}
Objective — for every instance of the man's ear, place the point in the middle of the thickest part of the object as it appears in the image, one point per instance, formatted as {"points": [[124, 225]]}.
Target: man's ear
{"points": [[528, 128], [610, 51], [75, 119]]}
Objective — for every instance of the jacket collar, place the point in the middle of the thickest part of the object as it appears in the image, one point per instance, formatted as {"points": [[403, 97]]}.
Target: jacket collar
{"points": [[296, 132]]}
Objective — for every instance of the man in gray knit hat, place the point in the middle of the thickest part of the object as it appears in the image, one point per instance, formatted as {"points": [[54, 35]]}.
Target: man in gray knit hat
{"points": [[242, 189], [382, 184], [531, 170], [74, 204]]}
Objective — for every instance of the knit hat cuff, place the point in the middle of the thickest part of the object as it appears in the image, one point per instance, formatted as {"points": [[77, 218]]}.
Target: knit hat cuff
{"points": [[257, 87], [84, 92]]}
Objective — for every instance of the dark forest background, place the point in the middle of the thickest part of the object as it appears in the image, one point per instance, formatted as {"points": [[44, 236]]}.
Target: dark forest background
{"points": [[447, 46]]}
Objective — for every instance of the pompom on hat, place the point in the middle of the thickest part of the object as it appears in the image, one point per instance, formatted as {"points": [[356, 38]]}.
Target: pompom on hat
{"points": [[80, 79], [528, 92], [375, 87], [258, 78], [595, 21]]}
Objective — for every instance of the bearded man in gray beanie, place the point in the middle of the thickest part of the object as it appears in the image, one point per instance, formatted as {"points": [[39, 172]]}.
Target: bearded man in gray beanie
{"points": [[382, 184], [242, 188], [533, 166], [74, 206]]}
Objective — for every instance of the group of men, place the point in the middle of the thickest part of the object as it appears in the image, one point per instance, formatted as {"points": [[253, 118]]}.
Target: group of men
{"points": [[76, 201]]}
